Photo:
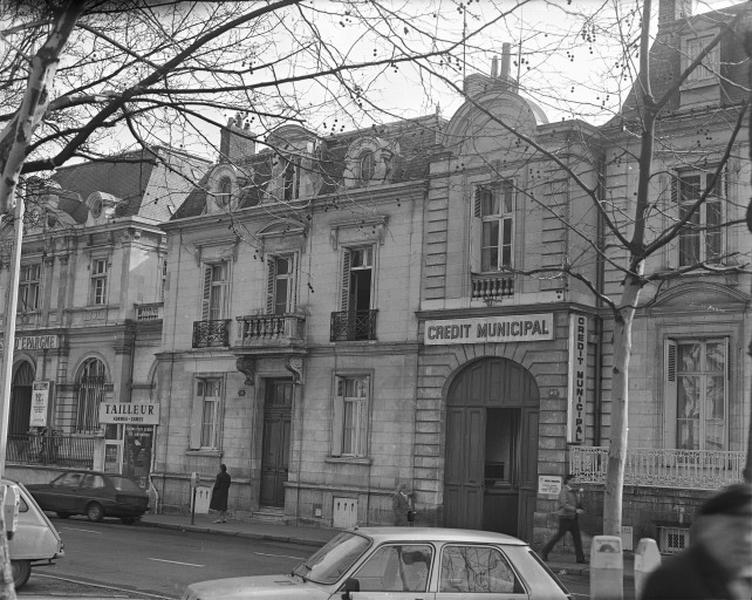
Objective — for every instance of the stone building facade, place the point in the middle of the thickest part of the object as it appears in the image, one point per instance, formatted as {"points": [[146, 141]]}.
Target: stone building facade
{"points": [[89, 313], [387, 306]]}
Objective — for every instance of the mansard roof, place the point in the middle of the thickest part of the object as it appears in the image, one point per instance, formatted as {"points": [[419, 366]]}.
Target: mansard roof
{"points": [[416, 138]]}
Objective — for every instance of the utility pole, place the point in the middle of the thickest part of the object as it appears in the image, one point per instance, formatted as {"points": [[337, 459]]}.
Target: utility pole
{"points": [[9, 338]]}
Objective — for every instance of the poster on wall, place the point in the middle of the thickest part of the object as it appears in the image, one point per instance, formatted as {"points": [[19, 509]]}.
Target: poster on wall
{"points": [[40, 400], [138, 449]]}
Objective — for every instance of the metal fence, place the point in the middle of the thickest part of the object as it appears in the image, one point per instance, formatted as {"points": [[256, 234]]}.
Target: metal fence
{"points": [[54, 449], [662, 467]]}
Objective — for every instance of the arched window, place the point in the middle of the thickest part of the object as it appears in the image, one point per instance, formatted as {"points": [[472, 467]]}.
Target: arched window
{"points": [[367, 166], [90, 395], [224, 192]]}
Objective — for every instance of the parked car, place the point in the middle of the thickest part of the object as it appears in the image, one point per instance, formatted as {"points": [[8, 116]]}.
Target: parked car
{"points": [[416, 562], [35, 540], [92, 493]]}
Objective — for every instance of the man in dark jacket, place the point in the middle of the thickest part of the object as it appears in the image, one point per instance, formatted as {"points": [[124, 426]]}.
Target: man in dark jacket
{"points": [[570, 508], [219, 494], [718, 563]]}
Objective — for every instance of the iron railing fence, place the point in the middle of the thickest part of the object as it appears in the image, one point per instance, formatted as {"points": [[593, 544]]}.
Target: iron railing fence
{"points": [[54, 449], [662, 467]]}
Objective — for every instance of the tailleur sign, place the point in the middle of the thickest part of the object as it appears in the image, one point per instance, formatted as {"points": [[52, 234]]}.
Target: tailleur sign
{"points": [[578, 334], [138, 413], [495, 330]]}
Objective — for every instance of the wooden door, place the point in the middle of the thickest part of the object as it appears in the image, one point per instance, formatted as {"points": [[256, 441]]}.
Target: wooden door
{"points": [[463, 480], [275, 454]]}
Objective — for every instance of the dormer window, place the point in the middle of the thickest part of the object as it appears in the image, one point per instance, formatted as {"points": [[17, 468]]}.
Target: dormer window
{"points": [[367, 166], [224, 192], [707, 72], [291, 180]]}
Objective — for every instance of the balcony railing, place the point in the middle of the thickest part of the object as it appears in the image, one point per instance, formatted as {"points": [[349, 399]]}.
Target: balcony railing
{"points": [[668, 468], [61, 450], [271, 330], [351, 326], [211, 334], [151, 311], [492, 287]]}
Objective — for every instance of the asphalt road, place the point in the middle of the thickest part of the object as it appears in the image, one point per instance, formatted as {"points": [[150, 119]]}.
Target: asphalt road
{"points": [[153, 561]]}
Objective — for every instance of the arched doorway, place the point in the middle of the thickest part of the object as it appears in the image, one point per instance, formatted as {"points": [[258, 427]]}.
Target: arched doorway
{"points": [[491, 450], [20, 403]]}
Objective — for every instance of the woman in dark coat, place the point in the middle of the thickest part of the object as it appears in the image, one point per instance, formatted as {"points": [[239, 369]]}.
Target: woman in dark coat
{"points": [[219, 494]]}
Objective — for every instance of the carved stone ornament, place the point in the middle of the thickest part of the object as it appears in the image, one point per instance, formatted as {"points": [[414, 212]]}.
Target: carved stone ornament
{"points": [[295, 366], [247, 366]]}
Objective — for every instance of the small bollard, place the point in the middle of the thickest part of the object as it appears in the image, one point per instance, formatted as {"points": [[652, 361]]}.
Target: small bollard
{"points": [[606, 568], [646, 560]]}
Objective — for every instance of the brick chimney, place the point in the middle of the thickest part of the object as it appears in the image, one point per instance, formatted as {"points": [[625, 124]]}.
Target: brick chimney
{"points": [[673, 10], [236, 141]]}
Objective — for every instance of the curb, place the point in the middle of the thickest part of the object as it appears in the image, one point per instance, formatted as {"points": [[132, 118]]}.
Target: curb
{"points": [[235, 533]]}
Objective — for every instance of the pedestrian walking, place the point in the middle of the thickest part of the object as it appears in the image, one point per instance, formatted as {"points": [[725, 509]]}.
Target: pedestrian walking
{"points": [[718, 562], [570, 508], [219, 494], [402, 505]]}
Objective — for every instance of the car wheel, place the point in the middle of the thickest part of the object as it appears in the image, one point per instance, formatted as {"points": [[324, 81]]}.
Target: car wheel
{"points": [[94, 511], [21, 571], [62, 514]]}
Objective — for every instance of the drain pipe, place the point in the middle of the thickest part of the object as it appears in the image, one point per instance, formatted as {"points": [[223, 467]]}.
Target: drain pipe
{"points": [[599, 279]]}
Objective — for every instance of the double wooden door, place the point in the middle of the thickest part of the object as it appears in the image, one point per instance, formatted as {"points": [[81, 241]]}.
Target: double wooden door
{"points": [[490, 473]]}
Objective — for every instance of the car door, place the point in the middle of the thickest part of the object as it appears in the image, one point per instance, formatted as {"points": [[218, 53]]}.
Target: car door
{"points": [[63, 493], [480, 572], [94, 487], [395, 572]]}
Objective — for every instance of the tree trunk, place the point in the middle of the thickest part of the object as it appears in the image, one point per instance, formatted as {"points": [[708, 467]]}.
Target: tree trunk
{"points": [[617, 452]]}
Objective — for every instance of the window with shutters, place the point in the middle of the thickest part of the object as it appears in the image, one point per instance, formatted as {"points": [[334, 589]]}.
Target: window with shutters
{"points": [[280, 296], [356, 319], [709, 70], [492, 237], [696, 393], [90, 393], [215, 291], [351, 416], [99, 273], [28, 287], [205, 426], [701, 240]]}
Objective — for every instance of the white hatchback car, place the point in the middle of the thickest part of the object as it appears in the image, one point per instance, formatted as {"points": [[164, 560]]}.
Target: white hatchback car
{"points": [[397, 563], [35, 540]]}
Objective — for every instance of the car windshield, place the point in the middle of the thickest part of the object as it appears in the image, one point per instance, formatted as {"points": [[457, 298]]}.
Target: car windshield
{"points": [[123, 484], [334, 559]]}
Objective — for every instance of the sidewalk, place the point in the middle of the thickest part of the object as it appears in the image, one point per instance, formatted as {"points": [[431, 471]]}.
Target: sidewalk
{"points": [[260, 530]]}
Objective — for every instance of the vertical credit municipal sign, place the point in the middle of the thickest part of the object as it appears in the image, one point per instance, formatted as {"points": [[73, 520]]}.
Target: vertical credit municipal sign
{"points": [[40, 399], [577, 389]]}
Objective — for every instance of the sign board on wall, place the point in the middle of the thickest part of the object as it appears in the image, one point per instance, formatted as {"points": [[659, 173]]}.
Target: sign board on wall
{"points": [[34, 342], [549, 486], [577, 389], [139, 413], [494, 330], [40, 400]]}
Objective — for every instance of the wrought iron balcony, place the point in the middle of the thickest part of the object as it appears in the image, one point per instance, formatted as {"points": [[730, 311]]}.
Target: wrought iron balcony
{"points": [[351, 326], [151, 311], [211, 334], [492, 287], [656, 467], [271, 330]]}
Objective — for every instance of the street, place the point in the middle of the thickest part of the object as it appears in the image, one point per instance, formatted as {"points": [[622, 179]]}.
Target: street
{"points": [[156, 561]]}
